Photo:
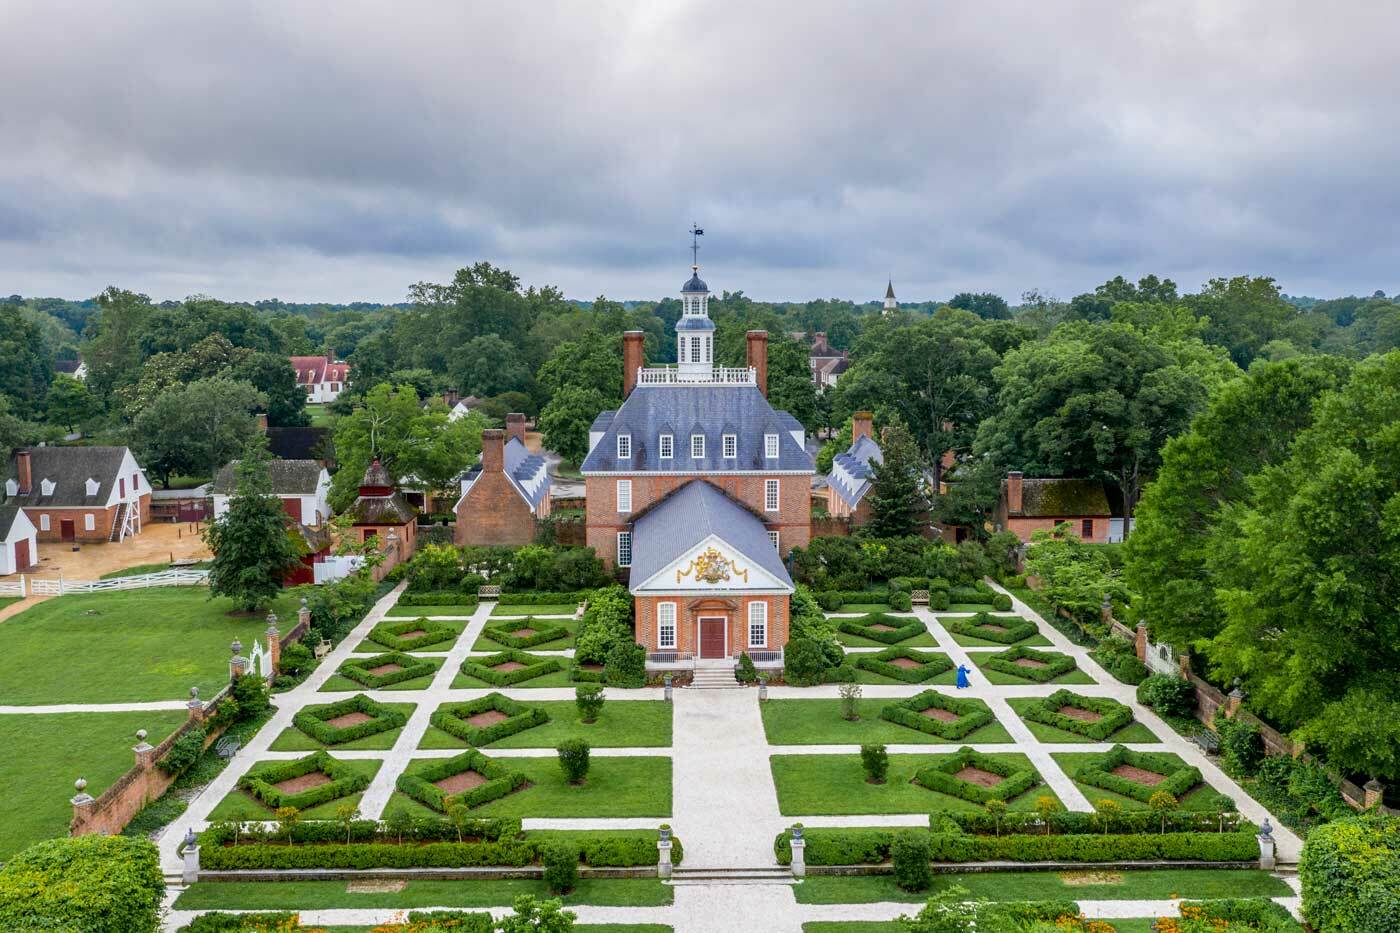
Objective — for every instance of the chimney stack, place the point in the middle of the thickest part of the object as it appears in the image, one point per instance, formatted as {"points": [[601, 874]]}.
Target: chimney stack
{"points": [[262, 422], [1013, 491], [25, 472], [862, 425], [632, 359], [758, 358], [330, 356], [451, 397], [493, 450], [515, 426]]}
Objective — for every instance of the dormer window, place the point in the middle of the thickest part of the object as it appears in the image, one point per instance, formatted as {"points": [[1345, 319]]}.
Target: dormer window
{"points": [[46, 487], [770, 446], [666, 447], [11, 487], [731, 447], [697, 446], [624, 447], [92, 487]]}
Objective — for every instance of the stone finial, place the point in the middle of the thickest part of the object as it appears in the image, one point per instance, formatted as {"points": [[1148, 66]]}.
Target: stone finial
{"points": [[1266, 830], [236, 647], [80, 784], [194, 693], [82, 798], [272, 624], [303, 602], [190, 838], [141, 735]]}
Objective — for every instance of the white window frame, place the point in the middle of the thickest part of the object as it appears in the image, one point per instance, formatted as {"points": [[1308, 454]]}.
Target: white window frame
{"points": [[772, 498], [697, 446], [666, 449], [624, 447], [624, 495], [770, 446], [89, 522], [43, 521], [758, 620], [731, 446], [624, 549], [663, 610], [697, 350], [775, 537]]}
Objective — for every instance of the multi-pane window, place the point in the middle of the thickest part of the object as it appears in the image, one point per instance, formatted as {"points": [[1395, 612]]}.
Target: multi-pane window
{"points": [[43, 523], [770, 446], [731, 447], [624, 495], [624, 549], [1087, 529], [697, 350], [770, 495], [665, 625], [89, 524], [667, 446], [624, 446], [697, 446], [773, 536], [758, 624]]}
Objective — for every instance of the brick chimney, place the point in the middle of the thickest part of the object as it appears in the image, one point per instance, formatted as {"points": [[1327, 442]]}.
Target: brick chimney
{"points": [[451, 397], [632, 359], [1013, 491], [862, 425], [330, 356], [24, 472], [493, 450], [262, 422], [758, 357], [515, 426]]}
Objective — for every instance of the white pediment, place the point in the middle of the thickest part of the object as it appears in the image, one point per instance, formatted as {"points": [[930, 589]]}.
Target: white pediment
{"points": [[712, 566]]}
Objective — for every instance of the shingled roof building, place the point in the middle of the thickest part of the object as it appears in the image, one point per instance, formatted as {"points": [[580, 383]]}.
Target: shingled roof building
{"points": [[1030, 505], [504, 494], [322, 378], [80, 493], [851, 472], [304, 487], [382, 512], [698, 487]]}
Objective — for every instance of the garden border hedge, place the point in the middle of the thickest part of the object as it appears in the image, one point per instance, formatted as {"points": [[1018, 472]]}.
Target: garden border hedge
{"points": [[904, 629], [545, 631], [451, 718], [357, 668], [939, 776], [344, 781], [312, 720], [1179, 776], [500, 781], [544, 599], [1057, 665], [878, 663], [1017, 628], [387, 634], [972, 714], [1046, 710], [410, 599], [481, 668]]}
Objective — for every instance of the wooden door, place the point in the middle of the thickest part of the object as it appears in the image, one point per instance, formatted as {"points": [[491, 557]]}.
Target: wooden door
{"points": [[21, 554], [712, 638], [67, 530]]}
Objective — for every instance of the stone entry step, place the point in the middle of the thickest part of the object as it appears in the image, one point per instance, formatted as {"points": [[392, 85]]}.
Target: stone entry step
{"points": [[713, 678], [771, 875]]}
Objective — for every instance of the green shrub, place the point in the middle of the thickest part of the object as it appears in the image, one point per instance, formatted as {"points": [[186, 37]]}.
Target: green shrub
{"points": [[901, 629], [1241, 746], [544, 632], [938, 600], [830, 601], [484, 668], [876, 762], [626, 665], [1256, 913], [1180, 777], [745, 672], [900, 601], [589, 700], [1001, 602], [87, 884], [972, 714], [1114, 715], [264, 856], [390, 635], [1169, 695], [1007, 631], [880, 663], [606, 622], [581, 675], [1350, 872], [361, 669], [1056, 665], [314, 720], [499, 781], [452, 719], [184, 751], [544, 599], [251, 695], [560, 861], [910, 854], [344, 781], [1119, 657], [804, 662], [240, 923], [574, 760], [1299, 792], [295, 659], [439, 598], [1017, 778]]}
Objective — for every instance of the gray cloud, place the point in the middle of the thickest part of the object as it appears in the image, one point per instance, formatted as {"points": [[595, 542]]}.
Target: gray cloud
{"points": [[344, 150]]}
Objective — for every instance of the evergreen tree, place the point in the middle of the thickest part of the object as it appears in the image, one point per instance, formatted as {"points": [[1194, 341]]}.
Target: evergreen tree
{"points": [[898, 507], [253, 547]]}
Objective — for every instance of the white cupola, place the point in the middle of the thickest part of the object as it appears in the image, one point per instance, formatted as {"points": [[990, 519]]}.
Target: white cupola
{"points": [[695, 332]]}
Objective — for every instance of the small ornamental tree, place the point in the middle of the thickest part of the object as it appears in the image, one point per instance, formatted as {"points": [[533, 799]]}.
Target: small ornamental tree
{"points": [[1047, 807], [996, 809], [898, 506], [1107, 812], [346, 814], [574, 761], [876, 762], [398, 822], [1162, 803], [252, 543], [910, 853], [531, 916], [287, 817], [850, 698], [589, 700]]}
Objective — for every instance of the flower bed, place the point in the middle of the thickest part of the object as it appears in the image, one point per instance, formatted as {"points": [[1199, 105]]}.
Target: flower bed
{"points": [[971, 714], [898, 629], [390, 634], [362, 669], [542, 632], [1177, 777], [1016, 778], [343, 782], [531, 667], [454, 719], [1112, 714], [422, 785], [885, 664], [315, 720], [1009, 630], [1055, 665]]}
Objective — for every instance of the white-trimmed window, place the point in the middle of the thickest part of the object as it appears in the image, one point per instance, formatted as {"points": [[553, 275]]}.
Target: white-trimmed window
{"points": [[624, 549], [697, 346], [770, 495], [697, 446], [665, 625], [666, 449], [758, 625], [624, 495], [773, 536], [624, 446], [43, 522], [770, 446], [89, 522], [685, 342], [731, 446]]}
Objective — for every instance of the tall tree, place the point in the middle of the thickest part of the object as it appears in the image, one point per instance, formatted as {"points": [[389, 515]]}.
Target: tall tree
{"points": [[196, 428], [69, 402], [252, 542], [983, 304], [26, 362], [114, 354], [898, 506]]}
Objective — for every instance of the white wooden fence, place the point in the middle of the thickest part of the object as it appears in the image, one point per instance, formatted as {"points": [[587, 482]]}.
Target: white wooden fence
{"points": [[336, 568], [60, 586]]}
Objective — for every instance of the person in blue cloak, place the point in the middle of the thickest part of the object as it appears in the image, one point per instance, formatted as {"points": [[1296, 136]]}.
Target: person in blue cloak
{"points": [[962, 676]]}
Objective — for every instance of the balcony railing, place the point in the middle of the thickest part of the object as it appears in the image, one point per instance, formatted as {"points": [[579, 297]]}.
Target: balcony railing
{"points": [[718, 375]]}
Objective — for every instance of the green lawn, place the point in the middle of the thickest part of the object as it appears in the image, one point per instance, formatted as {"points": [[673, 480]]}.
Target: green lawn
{"points": [[832, 785], [6, 600], [622, 724], [399, 613], [294, 740], [546, 610], [1191, 883], [137, 645], [142, 569], [320, 415], [979, 658], [485, 643], [1132, 732], [922, 640], [1201, 797], [41, 755], [865, 608], [863, 676], [373, 647], [555, 679], [416, 895], [819, 722], [616, 787], [339, 683], [971, 641], [241, 805]]}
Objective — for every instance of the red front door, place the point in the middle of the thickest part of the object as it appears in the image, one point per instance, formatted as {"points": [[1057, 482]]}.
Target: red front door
{"points": [[21, 554], [67, 530], [712, 638]]}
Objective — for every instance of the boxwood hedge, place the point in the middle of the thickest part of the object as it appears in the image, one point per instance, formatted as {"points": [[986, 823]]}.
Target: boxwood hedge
{"points": [[543, 632], [901, 629], [500, 780], [438, 598], [87, 884], [544, 599], [1350, 870], [1056, 664], [1017, 777], [879, 663], [452, 718], [390, 634], [972, 714], [344, 781], [1014, 628], [360, 669], [484, 668], [314, 720], [1113, 715], [1179, 776]]}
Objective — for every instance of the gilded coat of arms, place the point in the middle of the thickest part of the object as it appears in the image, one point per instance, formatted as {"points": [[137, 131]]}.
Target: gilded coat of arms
{"points": [[711, 567]]}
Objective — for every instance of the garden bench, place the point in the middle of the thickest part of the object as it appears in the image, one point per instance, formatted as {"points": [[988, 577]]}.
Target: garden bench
{"points": [[322, 649], [227, 746], [919, 597], [488, 592], [1206, 741]]}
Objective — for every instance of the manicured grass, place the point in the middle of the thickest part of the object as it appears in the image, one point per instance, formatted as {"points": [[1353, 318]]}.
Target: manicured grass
{"points": [[484, 642], [863, 676], [373, 647], [616, 787], [621, 724], [142, 569], [555, 679], [241, 805], [819, 722], [1132, 732], [338, 683], [831, 785], [547, 610], [294, 740], [320, 416], [41, 755], [969, 607], [399, 613], [970, 641], [151, 644], [979, 658], [922, 640], [6, 600], [865, 607], [1200, 797], [416, 895], [1190, 883]]}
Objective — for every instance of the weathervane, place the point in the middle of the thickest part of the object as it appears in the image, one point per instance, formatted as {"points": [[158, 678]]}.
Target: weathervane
{"points": [[695, 234]]}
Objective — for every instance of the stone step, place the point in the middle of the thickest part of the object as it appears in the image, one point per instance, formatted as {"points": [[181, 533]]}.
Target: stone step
{"points": [[684, 876], [681, 871], [689, 882]]}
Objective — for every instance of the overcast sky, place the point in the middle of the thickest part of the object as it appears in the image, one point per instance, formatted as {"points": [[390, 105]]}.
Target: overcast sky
{"points": [[343, 150]]}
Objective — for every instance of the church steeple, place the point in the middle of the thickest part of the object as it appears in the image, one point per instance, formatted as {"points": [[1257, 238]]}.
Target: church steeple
{"points": [[891, 303]]}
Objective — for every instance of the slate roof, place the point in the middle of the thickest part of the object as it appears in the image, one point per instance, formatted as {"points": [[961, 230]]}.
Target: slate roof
{"points": [[298, 443], [527, 472], [711, 410], [69, 469], [668, 528], [851, 473], [1061, 498], [694, 322], [289, 478], [601, 422], [695, 283]]}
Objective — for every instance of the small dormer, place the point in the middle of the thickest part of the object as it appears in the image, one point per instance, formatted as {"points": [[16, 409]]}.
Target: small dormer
{"points": [[92, 487], [46, 487], [11, 487]]}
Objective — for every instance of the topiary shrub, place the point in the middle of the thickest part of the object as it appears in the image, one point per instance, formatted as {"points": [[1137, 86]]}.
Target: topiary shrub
{"points": [[421, 784], [454, 718], [315, 720], [900, 601], [745, 673], [1119, 657], [295, 660], [485, 668], [876, 762], [87, 884], [1241, 747], [626, 665], [910, 854], [1350, 871], [344, 781], [938, 600], [831, 601], [560, 860], [804, 662], [1112, 714], [574, 759], [971, 714], [1001, 602], [1168, 695], [589, 699], [1052, 664]]}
